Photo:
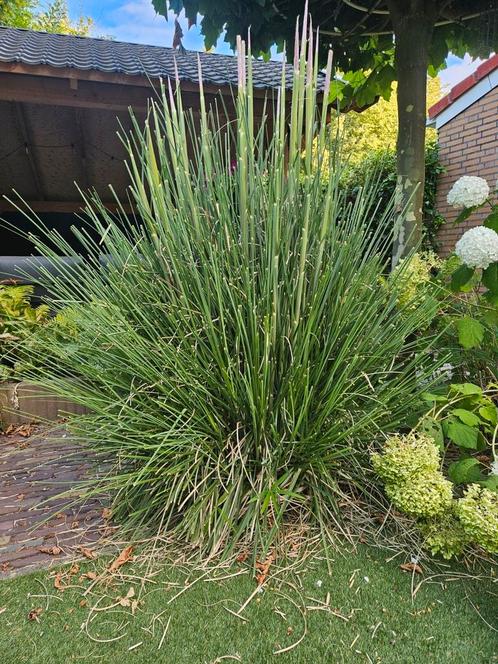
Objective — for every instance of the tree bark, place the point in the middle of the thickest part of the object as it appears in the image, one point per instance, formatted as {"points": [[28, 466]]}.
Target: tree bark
{"points": [[413, 25]]}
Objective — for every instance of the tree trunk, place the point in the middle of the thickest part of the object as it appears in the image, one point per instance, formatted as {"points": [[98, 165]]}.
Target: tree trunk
{"points": [[413, 24]]}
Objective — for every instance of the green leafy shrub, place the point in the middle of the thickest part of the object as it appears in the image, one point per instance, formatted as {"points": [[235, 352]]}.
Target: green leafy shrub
{"points": [[450, 514], [423, 496], [236, 351], [471, 275], [409, 466], [478, 514], [445, 536], [405, 457], [411, 277], [381, 166], [18, 320], [34, 350], [463, 421]]}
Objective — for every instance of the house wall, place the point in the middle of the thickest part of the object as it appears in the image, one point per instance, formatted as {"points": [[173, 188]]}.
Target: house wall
{"points": [[468, 146]]}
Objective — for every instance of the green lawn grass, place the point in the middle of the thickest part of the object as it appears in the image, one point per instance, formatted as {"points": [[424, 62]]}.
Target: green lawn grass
{"points": [[383, 623]]}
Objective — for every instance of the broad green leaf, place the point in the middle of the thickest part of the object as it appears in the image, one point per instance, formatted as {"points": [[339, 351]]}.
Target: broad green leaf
{"points": [[489, 413], [470, 332], [464, 471], [466, 417], [465, 388], [462, 435], [490, 317], [460, 277], [431, 396], [491, 483], [433, 428], [490, 278], [464, 214], [491, 298], [491, 220]]}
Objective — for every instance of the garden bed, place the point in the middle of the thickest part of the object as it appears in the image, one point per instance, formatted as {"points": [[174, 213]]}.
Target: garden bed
{"points": [[22, 402]]}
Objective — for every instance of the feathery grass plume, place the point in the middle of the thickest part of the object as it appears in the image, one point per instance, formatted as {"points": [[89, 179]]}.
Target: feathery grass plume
{"points": [[234, 347]]}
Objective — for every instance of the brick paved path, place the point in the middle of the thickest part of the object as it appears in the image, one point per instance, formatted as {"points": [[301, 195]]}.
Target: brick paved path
{"points": [[34, 468]]}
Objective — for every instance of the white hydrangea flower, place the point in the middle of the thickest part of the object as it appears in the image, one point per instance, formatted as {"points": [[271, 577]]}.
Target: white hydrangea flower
{"points": [[468, 191], [478, 247], [494, 467]]}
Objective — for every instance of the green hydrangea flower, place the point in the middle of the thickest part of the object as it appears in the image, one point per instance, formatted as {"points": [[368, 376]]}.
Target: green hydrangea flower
{"points": [[445, 535], [404, 458], [425, 496], [478, 513]]}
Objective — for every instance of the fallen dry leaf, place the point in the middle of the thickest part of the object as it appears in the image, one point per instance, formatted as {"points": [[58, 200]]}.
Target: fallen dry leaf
{"points": [[83, 603], [242, 557], [88, 553], [24, 430], [122, 559], [74, 569], [106, 513], [263, 568], [411, 567], [51, 550], [34, 614], [58, 581], [89, 575]]}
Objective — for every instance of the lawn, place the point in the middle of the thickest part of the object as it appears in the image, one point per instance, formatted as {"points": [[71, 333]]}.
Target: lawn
{"points": [[371, 617]]}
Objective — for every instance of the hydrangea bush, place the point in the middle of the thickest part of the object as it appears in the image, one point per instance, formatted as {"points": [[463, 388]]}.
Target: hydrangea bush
{"points": [[478, 247], [411, 467], [468, 191]]}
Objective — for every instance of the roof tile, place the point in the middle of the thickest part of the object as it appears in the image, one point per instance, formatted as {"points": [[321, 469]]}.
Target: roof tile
{"points": [[460, 88], [30, 47]]}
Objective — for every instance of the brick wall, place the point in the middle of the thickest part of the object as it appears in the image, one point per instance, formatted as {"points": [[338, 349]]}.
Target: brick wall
{"points": [[468, 146]]}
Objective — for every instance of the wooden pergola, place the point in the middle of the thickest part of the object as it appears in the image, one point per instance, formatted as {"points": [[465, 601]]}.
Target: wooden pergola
{"points": [[59, 123]]}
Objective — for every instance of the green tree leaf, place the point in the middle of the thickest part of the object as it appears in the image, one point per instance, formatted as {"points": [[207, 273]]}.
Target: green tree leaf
{"points": [[490, 278], [470, 332], [466, 417], [464, 471], [462, 435], [460, 277]]}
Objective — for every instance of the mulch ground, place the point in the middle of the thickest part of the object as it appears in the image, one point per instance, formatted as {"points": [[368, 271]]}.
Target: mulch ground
{"points": [[38, 528]]}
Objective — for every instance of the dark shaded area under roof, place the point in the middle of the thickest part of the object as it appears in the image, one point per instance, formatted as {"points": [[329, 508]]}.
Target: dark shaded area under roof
{"points": [[114, 57]]}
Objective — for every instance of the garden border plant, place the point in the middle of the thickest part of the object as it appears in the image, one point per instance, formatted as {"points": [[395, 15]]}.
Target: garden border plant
{"points": [[237, 352]]}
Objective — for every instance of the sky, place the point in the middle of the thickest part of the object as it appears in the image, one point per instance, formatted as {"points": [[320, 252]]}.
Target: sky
{"points": [[136, 21]]}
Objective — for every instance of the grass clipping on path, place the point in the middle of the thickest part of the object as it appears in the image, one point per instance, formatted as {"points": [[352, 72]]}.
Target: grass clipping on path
{"points": [[233, 343], [182, 612]]}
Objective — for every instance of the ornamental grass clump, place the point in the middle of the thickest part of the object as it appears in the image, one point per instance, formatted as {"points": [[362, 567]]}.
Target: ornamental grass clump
{"points": [[234, 348]]}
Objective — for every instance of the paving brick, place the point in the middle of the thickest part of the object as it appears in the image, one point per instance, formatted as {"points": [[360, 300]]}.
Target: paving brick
{"points": [[33, 514]]}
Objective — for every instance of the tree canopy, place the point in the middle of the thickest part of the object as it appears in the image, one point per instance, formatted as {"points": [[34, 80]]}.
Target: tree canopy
{"points": [[54, 18], [375, 42], [359, 32]]}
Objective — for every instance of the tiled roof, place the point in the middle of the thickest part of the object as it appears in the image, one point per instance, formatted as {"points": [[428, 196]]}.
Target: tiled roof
{"points": [[459, 89], [113, 57]]}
